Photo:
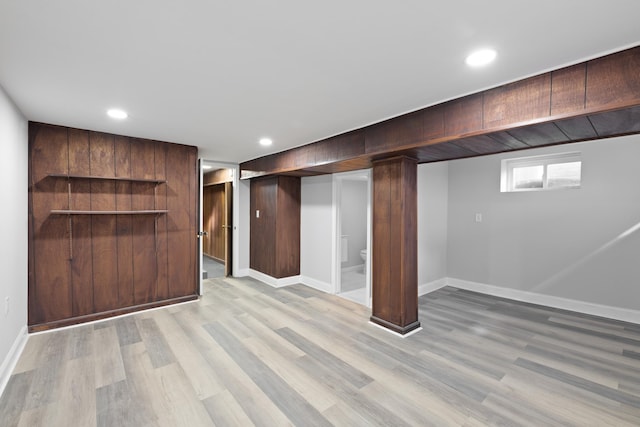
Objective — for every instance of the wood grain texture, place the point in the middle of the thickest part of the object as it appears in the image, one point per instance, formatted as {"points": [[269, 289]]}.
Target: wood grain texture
{"points": [[613, 80], [82, 260], [181, 220], [84, 266], [517, 102], [543, 134], [262, 228], [568, 89], [607, 88], [124, 223], [287, 242], [162, 240], [50, 288], [617, 122], [214, 221], [218, 176], [388, 135], [227, 360], [463, 115], [145, 268], [103, 228], [275, 234], [395, 245]]}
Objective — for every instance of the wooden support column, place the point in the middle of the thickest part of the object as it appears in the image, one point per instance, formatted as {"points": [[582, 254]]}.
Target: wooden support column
{"points": [[395, 244]]}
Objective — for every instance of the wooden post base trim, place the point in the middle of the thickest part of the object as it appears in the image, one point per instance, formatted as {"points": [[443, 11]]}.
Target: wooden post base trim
{"points": [[402, 330]]}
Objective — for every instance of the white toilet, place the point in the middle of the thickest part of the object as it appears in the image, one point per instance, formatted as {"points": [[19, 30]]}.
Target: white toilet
{"points": [[363, 255]]}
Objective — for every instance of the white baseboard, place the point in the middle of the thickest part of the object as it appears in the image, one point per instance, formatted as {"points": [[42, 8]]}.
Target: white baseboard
{"points": [[272, 281], [616, 313], [358, 267], [242, 272], [426, 288], [316, 284], [10, 361]]}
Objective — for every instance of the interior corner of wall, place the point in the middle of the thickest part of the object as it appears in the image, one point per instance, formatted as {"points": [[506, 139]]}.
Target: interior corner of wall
{"points": [[434, 285], [11, 359]]}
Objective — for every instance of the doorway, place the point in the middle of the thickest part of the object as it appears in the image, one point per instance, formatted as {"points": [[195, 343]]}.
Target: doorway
{"points": [[352, 199], [217, 223]]}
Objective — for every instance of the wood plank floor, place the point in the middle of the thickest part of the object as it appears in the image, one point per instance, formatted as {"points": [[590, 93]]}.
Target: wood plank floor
{"points": [[247, 354]]}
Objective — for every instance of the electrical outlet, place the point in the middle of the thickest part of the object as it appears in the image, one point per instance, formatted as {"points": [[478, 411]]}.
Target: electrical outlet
{"points": [[6, 306], [478, 217]]}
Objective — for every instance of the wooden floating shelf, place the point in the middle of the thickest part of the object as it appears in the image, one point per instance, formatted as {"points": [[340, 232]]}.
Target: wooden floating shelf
{"points": [[84, 212], [109, 178]]}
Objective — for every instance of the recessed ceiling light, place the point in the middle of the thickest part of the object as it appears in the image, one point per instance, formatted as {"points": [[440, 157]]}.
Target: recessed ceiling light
{"points": [[481, 57], [115, 113], [266, 142]]}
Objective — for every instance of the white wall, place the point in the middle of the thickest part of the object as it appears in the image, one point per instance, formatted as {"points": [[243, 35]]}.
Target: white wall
{"points": [[353, 212], [432, 221], [13, 233], [316, 224], [243, 227], [580, 244], [316, 231]]}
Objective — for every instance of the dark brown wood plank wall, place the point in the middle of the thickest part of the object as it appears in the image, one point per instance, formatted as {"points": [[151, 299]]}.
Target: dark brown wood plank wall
{"points": [[262, 227], [162, 240], [594, 99], [275, 234], [103, 227], [84, 267], [288, 227], [50, 289], [181, 224], [82, 260], [145, 272], [124, 223]]}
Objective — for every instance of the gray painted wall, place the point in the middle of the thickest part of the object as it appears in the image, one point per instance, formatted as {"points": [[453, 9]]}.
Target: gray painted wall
{"points": [[316, 224], [432, 221], [13, 224], [580, 244], [316, 227], [354, 219], [244, 199]]}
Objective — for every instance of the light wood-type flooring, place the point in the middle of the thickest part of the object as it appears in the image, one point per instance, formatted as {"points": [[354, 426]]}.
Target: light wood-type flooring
{"points": [[247, 354]]}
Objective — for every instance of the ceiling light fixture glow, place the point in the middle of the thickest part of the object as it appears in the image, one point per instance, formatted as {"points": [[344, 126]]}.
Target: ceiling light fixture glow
{"points": [[266, 142], [207, 167], [115, 113], [481, 57]]}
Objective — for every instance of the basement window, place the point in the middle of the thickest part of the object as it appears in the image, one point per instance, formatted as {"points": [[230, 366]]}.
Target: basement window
{"points": [[538, 173]]}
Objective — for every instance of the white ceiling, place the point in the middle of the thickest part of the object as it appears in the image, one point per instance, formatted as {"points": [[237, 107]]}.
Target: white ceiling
{"points": [[222, 74]]}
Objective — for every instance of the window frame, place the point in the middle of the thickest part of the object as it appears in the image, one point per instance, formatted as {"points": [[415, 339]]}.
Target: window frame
{"points": [[508, 165]]}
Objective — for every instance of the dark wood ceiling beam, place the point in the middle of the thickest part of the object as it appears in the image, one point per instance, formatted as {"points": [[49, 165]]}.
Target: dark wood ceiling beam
{"points": [[594, 99]]}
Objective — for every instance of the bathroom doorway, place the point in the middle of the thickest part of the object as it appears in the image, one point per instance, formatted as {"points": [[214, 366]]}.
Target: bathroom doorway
{"points": [[352, 199]]}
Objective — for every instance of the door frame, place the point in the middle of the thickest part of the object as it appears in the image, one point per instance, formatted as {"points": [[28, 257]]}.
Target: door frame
{"points": [[235, 168], [336, 273]]}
